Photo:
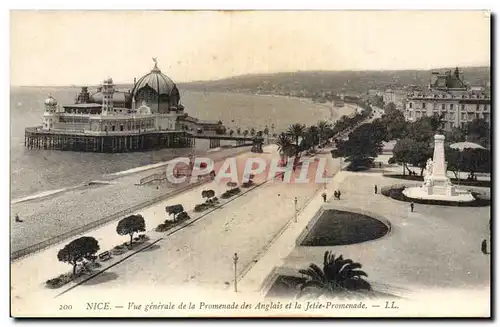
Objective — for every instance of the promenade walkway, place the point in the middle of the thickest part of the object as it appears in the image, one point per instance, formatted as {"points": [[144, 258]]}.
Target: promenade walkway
{"points": [[199, 255], [433, 248]]}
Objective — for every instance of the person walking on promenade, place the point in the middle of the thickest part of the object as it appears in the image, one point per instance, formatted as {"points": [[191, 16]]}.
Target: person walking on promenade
{"points": [[324, 196], [484, 247], [412, 206], [17, 219], [376, 189], [338, 193]]}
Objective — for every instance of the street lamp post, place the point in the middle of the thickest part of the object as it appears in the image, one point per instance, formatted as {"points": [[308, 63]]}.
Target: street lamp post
{"points": [[295, 206], [235, 259]]}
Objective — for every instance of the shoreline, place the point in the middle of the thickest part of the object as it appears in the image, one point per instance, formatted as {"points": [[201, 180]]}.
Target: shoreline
{"points": [[109, 177]]}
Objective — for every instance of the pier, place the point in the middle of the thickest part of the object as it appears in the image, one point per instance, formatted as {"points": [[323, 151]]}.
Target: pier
{"points": [[106, 142]]}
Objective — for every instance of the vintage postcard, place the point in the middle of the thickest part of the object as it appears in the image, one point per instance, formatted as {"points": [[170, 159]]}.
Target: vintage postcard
{"points": [[250, 164]]}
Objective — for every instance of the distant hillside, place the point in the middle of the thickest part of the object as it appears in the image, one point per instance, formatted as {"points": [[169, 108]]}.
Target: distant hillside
{"points": [[309, 83]]}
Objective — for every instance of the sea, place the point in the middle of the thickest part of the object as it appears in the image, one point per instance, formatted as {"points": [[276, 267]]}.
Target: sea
{"points": [[38, 172]]}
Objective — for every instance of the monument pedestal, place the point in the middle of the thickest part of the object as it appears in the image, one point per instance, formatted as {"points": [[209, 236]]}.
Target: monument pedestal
{"points": [[437, 186]]}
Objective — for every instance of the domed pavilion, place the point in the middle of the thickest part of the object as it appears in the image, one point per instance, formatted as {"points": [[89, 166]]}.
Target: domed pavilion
{"points": [[158, 91]]}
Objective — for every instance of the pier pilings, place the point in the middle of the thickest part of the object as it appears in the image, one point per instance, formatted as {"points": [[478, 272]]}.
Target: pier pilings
{"points": [[36, 138]]}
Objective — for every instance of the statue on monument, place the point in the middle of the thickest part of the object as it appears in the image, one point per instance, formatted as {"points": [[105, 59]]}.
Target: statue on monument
{"points": [[428, 167]]}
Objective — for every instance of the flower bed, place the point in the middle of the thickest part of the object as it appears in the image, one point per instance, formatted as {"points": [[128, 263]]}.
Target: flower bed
{"points": [[169, 224], [230, 193], [396, 192], [463, 182], [90, 267]]}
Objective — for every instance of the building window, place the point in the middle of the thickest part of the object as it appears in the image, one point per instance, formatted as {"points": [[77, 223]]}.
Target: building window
{"points": [[451, 106], [411, 105], [121, 128], [423, 105], [113, 128], [462, 107]]}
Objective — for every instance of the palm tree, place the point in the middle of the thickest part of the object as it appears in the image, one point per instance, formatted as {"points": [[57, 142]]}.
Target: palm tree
{"points": [[339, 278], [323, 127], [296, 131], [284, 144]]}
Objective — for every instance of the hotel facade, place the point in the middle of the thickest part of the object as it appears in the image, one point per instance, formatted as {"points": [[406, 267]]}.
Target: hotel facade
{"points": [[449, 96]]}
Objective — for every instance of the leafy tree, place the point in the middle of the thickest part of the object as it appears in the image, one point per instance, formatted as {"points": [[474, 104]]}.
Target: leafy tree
{"points": [[362, 146], [455, 135], [238, 131], [130, 225], [207, 194], [479, 131], [409, 151], [396, 125], [339, 278], [231, 132], [174, 210], [422, 130], [468, 160], [245, 132], [81, 248], [252, 131], [390, 108]]}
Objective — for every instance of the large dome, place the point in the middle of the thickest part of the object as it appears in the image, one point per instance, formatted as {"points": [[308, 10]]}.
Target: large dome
{"points": [[158, 90]]}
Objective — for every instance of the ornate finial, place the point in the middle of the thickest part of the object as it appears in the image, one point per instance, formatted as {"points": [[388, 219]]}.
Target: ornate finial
{"points": [[155, 60]]}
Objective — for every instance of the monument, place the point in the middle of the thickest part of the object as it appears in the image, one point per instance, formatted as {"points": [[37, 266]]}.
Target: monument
{"points": [[437, 186]]}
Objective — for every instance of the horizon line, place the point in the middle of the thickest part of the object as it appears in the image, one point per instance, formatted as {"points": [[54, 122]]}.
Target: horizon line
{"points": [[274, 73]]}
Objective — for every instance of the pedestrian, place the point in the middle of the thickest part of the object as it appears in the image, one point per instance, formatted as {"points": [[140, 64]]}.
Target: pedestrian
{"points": [[412, 206], [338, 193], [324, 196], [484, 246], [17, 219], [376, 189]]}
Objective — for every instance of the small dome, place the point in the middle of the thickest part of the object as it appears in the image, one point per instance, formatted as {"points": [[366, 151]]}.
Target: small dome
{"points": [[50, 101]]}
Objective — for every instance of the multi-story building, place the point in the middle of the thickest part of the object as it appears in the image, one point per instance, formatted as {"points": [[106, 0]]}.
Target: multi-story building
{"points": [[398, 97], [449, 96]]}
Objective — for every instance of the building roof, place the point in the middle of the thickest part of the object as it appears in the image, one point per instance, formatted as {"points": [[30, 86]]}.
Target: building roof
{"points": [[161, 83], [466, 145], [447, 80], [208, 122], [119, 97], [83, 105]]}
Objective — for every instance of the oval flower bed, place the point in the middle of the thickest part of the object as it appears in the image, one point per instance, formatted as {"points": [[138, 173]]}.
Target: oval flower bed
{"points": [[396, 192]]}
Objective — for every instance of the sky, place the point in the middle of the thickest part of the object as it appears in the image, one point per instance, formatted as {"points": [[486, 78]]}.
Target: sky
{"points": [[84, 47]]}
